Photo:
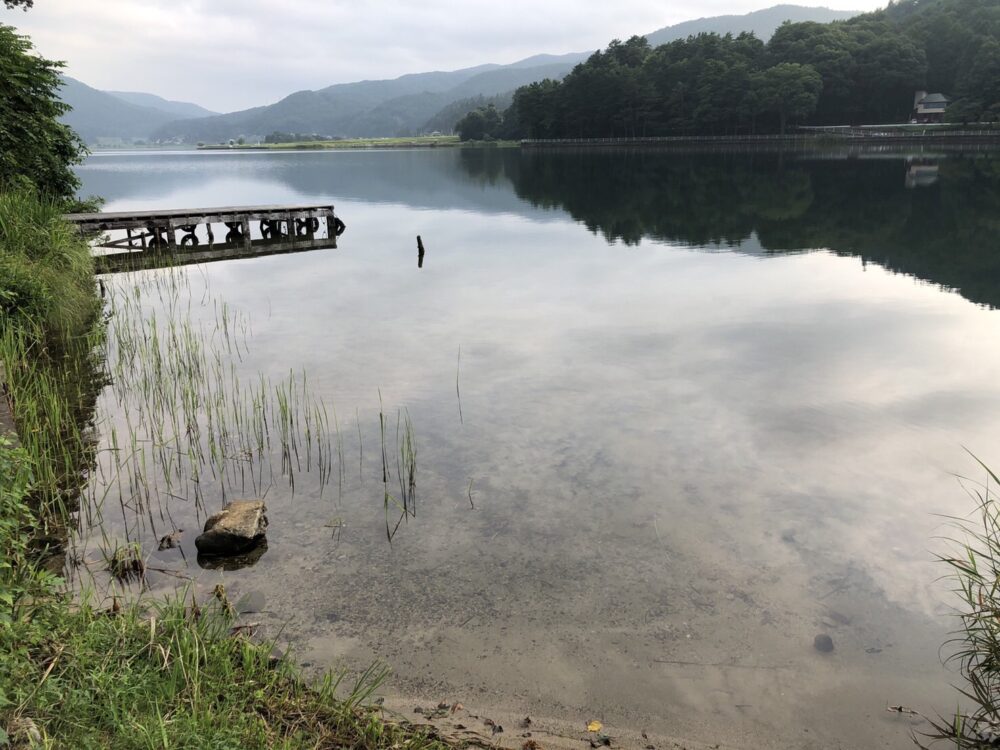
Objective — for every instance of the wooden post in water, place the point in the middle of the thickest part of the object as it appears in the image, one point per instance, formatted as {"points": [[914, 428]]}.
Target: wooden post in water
{"points": [[420, 252]]}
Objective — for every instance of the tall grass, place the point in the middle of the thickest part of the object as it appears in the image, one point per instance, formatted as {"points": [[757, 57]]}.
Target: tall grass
{"points": [[180, 418], [406, 469], [974, 562], [46, 271], [49, 327]]}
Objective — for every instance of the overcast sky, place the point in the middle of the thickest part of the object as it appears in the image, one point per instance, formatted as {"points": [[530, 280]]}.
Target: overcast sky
{"points": [[233, 54]]}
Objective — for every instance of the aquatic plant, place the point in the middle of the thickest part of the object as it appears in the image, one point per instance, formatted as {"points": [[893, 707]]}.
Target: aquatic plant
{"points": [[406, 469], [125, 561], [974, 561], [179, 419]]}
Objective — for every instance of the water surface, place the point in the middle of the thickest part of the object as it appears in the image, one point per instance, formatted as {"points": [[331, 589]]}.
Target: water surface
{"points": [[711, 406]]}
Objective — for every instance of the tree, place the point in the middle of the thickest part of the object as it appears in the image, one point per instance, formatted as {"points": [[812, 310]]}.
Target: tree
{"points": [[790, 90], [34, 145], [889, 69], [532, 111], [480, 124], [25, 4], [980, 87]]}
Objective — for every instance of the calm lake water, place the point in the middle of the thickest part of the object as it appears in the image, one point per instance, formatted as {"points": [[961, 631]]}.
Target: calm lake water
{"points": [[711, 406]]}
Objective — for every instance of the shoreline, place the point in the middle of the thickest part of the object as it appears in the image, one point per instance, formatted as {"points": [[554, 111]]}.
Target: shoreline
{"points": [[450, 141], [474, 725], [880, 138]]}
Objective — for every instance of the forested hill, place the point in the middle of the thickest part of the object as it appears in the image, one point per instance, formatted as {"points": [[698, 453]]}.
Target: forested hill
{"points": [[97, 114], [427, 101], [400, 106], [863, 70]]}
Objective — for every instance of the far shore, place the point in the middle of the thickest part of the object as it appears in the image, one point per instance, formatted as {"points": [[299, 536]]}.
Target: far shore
{"points": [[428, 141]]}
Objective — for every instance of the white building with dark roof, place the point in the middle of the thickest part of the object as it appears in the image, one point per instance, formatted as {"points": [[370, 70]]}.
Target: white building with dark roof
{"points": [[929, 107]]}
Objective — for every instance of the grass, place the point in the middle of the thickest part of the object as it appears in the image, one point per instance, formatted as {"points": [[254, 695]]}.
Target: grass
{"points": [[125, 561], [406, 469], [49, 326], [175, 674], [46, 272], [82, 671], [974, 562], [182, 420]]}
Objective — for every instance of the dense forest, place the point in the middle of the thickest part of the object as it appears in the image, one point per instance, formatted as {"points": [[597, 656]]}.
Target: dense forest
{"points": [[863, 70]]}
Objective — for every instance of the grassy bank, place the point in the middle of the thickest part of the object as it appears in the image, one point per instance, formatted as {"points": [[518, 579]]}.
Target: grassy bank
{"points": [[169, 675], [93, 671]]}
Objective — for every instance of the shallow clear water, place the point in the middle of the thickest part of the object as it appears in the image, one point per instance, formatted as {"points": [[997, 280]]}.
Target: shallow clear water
{"points": [[711, 406]]}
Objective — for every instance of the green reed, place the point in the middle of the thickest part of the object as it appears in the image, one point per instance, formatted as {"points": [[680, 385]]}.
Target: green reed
{"points": [[194, 425], [974, 561], [406, 469]]}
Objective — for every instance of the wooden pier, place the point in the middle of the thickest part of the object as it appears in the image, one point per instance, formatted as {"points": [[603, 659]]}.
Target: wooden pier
{"points": [[176, 232]]}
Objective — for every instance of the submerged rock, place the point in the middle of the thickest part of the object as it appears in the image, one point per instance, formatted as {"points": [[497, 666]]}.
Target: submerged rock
{"points": [[233, 562], [170, 541], [238, 527], [823, 642]]}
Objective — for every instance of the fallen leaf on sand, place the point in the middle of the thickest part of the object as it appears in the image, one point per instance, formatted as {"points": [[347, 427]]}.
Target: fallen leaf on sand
{"points": [[594, 726], [531, 745]]}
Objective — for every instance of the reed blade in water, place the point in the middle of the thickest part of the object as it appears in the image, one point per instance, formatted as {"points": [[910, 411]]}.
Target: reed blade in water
{"points": [[197, 427]]}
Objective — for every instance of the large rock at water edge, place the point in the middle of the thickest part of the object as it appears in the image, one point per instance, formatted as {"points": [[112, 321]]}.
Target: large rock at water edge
{"points": [[235, 529]]}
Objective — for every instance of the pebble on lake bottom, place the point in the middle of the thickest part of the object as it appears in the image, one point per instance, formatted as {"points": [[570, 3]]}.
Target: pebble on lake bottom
{"points": [[823, 642]]}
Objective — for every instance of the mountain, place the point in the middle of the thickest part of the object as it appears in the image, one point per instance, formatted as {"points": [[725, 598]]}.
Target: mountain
{"points": [[371, 108], [97, 115], [177, 109], [403, 106], [762, 23]]}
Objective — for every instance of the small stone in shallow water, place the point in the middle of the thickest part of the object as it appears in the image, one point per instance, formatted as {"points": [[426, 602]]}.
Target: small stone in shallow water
{"points": [[823, 642], [237, 528]]}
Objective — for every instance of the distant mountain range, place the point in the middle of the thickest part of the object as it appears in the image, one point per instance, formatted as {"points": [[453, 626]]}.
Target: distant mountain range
{"points": [[98, 115], [177, 109], [410, 104]]}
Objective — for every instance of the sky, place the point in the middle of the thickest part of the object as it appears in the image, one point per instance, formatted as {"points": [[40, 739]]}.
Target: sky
{"points": [[234, 54]]}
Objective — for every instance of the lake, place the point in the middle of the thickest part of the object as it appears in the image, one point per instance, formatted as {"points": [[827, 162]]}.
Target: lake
{"points": [[675, 415]]}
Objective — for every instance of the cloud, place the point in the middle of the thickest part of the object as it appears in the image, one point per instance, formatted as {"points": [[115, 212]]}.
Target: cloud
{"points": [[229, 54]]}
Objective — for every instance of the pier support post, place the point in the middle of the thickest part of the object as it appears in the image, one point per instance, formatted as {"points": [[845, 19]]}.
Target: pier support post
{"points": [[245, 229]]}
